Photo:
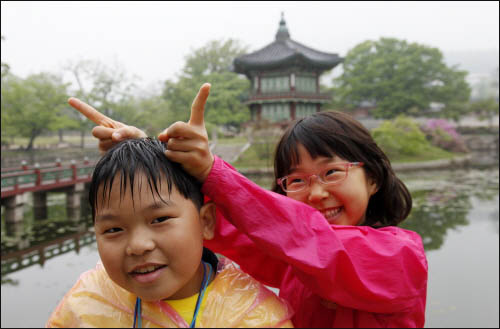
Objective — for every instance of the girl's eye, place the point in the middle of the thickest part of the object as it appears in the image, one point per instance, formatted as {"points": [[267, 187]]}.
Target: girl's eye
{"points": [[112, 230], [296, 180], [160, 219], [330, 172]]}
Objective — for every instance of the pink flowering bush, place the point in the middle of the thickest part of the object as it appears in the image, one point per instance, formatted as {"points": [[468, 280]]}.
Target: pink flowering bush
{"points": [[442, 134]]}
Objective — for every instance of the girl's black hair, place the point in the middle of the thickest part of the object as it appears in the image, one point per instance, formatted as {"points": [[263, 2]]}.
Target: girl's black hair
{"points": [[145, 156], [336, 133]]}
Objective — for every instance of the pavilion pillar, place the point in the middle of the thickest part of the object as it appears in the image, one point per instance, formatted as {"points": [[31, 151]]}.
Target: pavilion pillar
{"points": [[14, 212], [40, 205], [292, 110], [73, 201]]}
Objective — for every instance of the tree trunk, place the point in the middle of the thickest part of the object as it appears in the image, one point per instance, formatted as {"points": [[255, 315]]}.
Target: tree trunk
{"points": [[29, 148], [61, 137]]}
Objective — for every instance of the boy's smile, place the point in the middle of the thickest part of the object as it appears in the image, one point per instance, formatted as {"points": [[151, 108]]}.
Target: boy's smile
{"points": [[147, 272], [150, 247]]}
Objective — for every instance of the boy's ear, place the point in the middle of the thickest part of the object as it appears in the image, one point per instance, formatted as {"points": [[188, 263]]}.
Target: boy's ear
{"points": [[208, 219]]}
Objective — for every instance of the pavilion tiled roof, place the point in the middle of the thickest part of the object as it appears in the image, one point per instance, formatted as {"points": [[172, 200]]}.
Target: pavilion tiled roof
{"points": [[284, 51]]}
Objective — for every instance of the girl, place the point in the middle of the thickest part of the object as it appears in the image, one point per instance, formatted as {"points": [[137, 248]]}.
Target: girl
{"points": [[328, 238]]}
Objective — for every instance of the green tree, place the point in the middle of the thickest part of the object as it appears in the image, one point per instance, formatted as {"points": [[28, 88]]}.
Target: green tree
{"points": [[210, 63], [398, 77], [146, 112], [108, 89], [33, 105], [485, 109], [5, 66]]}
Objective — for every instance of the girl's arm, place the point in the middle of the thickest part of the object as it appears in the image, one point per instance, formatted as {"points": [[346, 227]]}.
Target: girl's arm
{"points": [[237, 246], [376, 270]]}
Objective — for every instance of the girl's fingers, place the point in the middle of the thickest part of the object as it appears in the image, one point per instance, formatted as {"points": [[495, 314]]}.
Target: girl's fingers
{"points": [[88, 111], [163, 136], [92, 114], [179, 157], [101, 132], [105, 145], [198, 106], [181, 129], [184, 145], [127, 132]]}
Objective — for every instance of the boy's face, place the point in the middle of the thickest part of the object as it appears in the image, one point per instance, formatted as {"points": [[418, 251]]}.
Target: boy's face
{"points": [[151, 248]]}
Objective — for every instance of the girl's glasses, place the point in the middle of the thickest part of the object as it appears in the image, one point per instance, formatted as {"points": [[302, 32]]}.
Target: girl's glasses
{"points": [[331, 175]]}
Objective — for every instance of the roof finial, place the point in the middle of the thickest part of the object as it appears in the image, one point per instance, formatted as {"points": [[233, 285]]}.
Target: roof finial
{"points": [[283, 33]]}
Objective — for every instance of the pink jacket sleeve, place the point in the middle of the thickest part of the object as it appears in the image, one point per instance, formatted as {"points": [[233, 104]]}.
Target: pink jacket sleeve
{"points": [[237, 246], [375, 270]]}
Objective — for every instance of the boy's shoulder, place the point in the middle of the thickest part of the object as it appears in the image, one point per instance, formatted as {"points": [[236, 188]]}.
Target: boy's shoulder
{"points": [[93, 293], [242, 301]]}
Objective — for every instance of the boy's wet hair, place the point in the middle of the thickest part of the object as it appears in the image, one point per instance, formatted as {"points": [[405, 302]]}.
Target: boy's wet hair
{"points": [[335, 133], [145, 156]]}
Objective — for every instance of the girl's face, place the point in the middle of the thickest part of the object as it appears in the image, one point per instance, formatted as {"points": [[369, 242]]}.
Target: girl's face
{"points": [[341, 204]]}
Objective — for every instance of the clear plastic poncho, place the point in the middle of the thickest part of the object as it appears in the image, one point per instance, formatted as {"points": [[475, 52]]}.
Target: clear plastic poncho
{"points": [[235, 300]]}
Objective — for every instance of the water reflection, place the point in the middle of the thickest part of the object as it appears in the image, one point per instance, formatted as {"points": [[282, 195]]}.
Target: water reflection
{"points": [[33, 241], [442, 201]]}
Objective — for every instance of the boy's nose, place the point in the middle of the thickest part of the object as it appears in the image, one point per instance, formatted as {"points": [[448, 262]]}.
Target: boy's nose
{"points": [[317, 191], [139, 244]]}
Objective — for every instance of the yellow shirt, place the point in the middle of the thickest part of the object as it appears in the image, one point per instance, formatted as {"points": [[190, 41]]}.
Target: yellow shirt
{"points": [[185, 307]]}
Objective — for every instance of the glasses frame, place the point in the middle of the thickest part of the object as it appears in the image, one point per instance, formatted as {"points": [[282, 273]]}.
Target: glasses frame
{"points": [[347, 166]]}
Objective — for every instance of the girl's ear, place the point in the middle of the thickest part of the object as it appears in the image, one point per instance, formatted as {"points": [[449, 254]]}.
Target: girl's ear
{"points": [[208, 219], [372, 186]]}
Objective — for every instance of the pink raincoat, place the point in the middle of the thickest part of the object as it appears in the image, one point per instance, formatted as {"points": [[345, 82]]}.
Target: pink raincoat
{"points": [[333, 276]]}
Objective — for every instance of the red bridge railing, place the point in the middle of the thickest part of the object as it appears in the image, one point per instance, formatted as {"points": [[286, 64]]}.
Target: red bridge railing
{"points": [[40, 178]]}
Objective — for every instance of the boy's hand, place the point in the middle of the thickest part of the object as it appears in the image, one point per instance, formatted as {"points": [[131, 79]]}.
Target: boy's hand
{"points": [[187, 143], [109, 132]]}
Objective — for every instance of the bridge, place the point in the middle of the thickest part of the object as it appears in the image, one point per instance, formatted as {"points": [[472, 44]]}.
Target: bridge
{"points": [[39, 180]]}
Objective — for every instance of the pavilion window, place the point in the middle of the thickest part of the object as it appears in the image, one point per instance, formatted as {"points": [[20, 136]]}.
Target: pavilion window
{"points": [[302, 110], [275, 112], [275, 84], [305, 84]]}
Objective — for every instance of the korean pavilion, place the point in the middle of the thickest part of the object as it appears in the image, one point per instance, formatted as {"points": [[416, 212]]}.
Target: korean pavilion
{"points": [[285, 78]]}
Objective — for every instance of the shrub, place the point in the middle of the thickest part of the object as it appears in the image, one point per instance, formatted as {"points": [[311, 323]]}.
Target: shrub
{"points": [[401, 137], [442, 134]]}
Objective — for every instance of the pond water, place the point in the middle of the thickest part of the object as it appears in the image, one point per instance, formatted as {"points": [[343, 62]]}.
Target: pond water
{"points": [[455, 212]]}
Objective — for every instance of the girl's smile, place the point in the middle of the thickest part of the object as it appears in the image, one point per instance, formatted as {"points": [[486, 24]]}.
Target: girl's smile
{"points": [[331, 214]]}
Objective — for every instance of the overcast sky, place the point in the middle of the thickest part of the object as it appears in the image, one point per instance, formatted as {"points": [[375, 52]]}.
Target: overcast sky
{"points": [[151, 39]]}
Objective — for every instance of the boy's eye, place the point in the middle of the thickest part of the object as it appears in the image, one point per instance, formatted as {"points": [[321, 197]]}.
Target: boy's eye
{"points": [[112, 230], [160, 219]]}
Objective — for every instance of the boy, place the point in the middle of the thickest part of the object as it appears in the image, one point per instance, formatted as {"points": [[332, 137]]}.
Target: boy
{"points": [[150, 222]]}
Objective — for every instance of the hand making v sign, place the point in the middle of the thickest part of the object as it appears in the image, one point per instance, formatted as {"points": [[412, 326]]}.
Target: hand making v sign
{"points": [[108, 131], [187, 143]]}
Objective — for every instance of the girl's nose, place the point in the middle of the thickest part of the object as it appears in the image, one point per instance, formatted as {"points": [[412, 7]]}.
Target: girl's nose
{"points": [[139, 243], [317, 191]]}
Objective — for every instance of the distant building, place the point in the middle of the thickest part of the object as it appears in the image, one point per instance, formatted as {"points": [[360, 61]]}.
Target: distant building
{"points": [[285, 78]]}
